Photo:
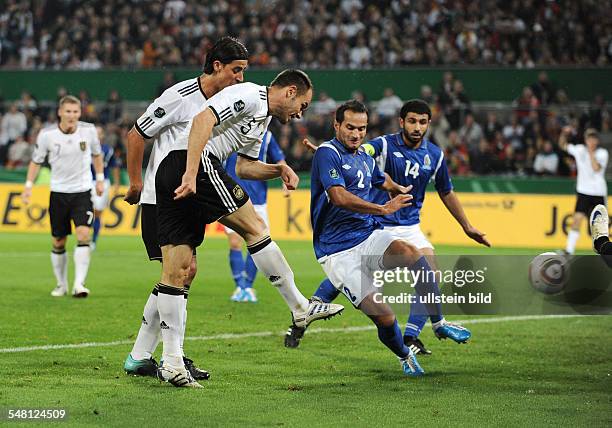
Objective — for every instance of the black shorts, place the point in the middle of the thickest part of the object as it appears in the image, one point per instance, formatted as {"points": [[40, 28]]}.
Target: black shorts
{"points": [[64, 207], [183, 221], [586, 203], [148, 228]]}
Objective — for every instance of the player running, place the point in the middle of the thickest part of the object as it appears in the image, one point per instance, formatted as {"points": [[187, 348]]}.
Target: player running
{"points": [[244, 270], [162, 123], [100, 203], [591, 186], [70, 146], [411, 160], [193, 189]]}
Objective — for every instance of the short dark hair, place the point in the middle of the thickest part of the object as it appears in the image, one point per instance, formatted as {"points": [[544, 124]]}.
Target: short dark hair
{"points": [[225, 50], [293, 76], [351, 105], [415, 106]]}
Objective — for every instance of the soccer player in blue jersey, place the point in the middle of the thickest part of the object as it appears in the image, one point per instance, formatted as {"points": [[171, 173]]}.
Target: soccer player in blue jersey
{"points": [[349, 242], [244, 270], [100, 203], [411, 160]]}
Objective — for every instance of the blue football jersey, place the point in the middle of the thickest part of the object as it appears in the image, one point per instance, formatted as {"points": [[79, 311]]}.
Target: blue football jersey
{"points": [[270, 152], [407, 166], [335, 229], [108, 159]]}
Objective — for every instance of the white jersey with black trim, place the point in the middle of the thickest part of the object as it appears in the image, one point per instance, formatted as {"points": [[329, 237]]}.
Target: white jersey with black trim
{"points": [[590, 182], [164, 121], [69, 156], [242, 119]]}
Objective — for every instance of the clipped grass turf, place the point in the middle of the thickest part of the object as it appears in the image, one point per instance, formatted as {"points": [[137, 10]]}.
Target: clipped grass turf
{"points": [[546, 372]]}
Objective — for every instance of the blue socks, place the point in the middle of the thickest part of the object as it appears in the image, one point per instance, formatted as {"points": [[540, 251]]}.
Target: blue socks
{"points": [[96, 228], [419, 312], [250, 271], [243, 271], [237, 265], [326, 291], [391, 337]]}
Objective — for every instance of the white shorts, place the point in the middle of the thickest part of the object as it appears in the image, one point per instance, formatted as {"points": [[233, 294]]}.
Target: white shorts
{"points": [[262, 210], [347, 272], [100, 203], [411, 234]]}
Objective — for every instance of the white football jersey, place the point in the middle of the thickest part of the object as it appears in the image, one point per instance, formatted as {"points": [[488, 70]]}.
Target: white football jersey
{"points": [[242, 119], [590, 182], [69, 156], [164, 120]]}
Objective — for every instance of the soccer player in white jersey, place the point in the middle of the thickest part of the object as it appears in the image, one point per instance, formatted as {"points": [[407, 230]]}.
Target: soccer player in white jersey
{"points": [[162, 123], [591, 186], [193, 189], [70, 146]]}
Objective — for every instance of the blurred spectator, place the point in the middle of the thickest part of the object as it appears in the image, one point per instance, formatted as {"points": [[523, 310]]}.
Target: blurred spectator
{"points": [[19, 154], [482, 160], [543, 89], [470, 133], [325, 105], [525, 104], [492, 126], [334, 33], [513, 133], [13, 125], [113, 108], [389, 105], [169, 81], [546, 161]]}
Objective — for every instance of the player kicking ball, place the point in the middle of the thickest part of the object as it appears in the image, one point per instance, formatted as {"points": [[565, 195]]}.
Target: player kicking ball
{"points": [[349, 243], [192, 190]]}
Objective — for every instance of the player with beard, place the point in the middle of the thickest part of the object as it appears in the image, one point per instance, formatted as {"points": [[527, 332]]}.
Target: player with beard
{"points": [[410, 159]]}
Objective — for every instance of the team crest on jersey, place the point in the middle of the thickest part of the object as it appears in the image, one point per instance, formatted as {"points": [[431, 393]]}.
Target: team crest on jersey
{"points": [[238, 192], [159, 112], [333, 173], [83, 145], [239, 106], [426, 162], [398, 155]]}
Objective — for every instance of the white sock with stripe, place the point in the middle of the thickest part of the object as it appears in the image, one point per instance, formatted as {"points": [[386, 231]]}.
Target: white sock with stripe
{"points": [[59, 261], [270, 261], [81, 264]]}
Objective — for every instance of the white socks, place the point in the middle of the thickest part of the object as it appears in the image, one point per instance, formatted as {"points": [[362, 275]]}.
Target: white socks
{"points": [[270, 261], [149, 333], [81, 264], [59, 261], [171, 305], [572, 238]]}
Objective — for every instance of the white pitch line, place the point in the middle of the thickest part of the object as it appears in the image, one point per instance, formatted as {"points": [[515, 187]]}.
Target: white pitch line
{"points": [[230, 336]]}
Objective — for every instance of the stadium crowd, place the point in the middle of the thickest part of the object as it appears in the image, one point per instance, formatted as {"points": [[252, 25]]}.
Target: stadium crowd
{"points": [[88, 35], [519, 140]]}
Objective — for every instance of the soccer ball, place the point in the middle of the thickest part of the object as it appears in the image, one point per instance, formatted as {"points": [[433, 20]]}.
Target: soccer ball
{"points": [[549, 273]]}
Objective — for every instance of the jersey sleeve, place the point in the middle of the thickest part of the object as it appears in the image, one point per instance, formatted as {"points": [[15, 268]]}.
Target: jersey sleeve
{"points": [[374, 147], [239, 100], [96, 148], [250, 151], [378, 177], [573, 149], [601, 156], [442, 180], [275, 154], [41, 149], [165, 110], [327, 167]]}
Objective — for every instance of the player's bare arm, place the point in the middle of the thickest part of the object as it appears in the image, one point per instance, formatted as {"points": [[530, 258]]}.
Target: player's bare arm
{"points": [[256, 170], [452, 204], [199, 135], [342, 198], [135, 156], [33, 169], [98, 164], [594, 162], [392, 187]]}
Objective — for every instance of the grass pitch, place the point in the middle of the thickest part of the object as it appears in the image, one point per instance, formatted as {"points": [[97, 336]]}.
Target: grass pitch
{"points": [[553, 372]]}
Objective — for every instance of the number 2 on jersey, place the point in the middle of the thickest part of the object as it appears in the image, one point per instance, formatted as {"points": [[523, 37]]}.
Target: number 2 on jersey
{"points": [[360, 176]]}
